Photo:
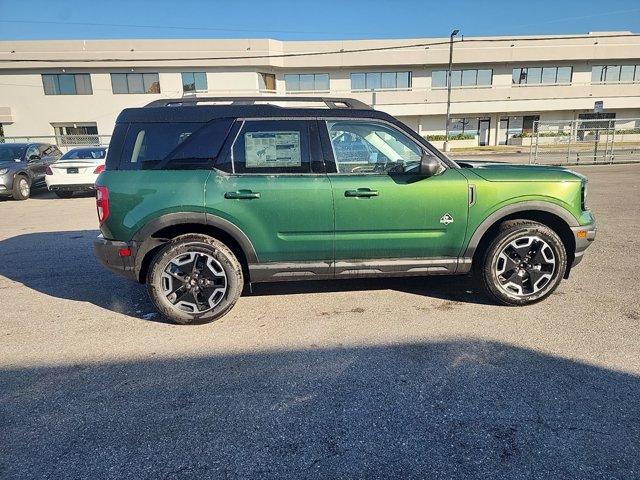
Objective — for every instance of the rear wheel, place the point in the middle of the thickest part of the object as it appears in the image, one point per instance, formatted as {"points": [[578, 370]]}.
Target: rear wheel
{"points": [[21, 187], [194, 279], [523, 264], [61, 194]]}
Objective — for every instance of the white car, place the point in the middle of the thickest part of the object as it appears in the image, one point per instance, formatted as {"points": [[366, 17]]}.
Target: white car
{"points": [[76, 171]]}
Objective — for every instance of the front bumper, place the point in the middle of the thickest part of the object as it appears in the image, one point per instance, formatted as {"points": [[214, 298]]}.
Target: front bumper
{"points": [[584, 236], [107, 252], [6, 184]]}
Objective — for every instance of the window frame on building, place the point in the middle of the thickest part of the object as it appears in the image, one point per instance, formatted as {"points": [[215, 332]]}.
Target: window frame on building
{"points": [[605, 71], [535, 75], [373, 81], [460, 78], [317, 82], [131, 78], [202, 76], [80, 82]]}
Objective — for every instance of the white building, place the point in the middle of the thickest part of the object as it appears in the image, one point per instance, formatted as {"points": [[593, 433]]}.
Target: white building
{"points": [[499, 85]]}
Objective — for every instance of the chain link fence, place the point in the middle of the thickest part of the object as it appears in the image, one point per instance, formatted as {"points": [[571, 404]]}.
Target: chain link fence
{"points": [[63, 142], [585, 141]]}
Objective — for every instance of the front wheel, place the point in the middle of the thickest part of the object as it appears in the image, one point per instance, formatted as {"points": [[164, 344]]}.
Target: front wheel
{"points": [[194, 279], [523, 264], [21, 187]]}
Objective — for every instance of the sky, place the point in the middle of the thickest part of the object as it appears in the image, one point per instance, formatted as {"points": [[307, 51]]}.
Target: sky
{"points": [[308, 20]]}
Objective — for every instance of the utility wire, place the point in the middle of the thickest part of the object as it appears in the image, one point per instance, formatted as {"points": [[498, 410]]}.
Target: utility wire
{"points": [[326, 52]]}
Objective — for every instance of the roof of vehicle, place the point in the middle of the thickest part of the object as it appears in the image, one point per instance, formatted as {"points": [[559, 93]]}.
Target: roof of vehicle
{"points": [[204, 109], [23, 144]]}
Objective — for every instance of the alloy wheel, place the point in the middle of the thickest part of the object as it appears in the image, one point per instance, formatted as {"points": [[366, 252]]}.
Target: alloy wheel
{"points": [[194, 282], [525, 266], [23, 185]]}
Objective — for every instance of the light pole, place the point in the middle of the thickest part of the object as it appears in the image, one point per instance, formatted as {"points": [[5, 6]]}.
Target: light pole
{"points": [[448, 121]]}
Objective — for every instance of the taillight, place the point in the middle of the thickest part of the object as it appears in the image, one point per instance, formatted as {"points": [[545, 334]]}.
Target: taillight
{"points": [[99, 169], [48, 171], [102, 203]]}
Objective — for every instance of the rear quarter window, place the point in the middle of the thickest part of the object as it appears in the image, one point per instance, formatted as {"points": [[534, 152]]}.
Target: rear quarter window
{"points": [[147, 144], [169, 146]]}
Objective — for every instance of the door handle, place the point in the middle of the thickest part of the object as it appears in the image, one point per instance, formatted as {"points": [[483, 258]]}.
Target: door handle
{"points": [[361, 192], [242, 194]]}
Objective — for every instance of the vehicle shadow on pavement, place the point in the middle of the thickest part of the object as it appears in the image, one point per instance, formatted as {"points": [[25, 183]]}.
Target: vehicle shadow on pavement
{"points": [[62, 265], [456, 288], [451, 409]]}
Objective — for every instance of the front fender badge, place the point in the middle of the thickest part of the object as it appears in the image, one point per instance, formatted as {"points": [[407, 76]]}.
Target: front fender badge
{"points": [[446, 219]]}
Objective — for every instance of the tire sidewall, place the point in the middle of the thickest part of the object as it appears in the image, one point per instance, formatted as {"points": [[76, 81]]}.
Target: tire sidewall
{"points": [[202, 244], [489, 268], [17, 194]]}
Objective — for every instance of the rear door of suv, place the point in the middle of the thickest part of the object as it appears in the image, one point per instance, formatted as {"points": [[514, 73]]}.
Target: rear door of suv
{"points": [[384, 209], [272, 185]]}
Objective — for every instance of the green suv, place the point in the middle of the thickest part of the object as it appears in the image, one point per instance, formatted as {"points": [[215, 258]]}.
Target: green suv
{"points": [[200, 197]]}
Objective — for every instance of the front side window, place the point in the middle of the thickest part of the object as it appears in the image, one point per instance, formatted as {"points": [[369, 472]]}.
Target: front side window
{"points": [[194, 81], [135, 83], [381, 81], [272, 147], [307, 82], [365, 147], [67, 84]]}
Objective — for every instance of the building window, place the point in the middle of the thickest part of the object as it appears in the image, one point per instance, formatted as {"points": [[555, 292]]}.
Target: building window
{"points": [[381, 81], [462, 78], [267, 81], [67, 84], [541, 75], [307, 82], [615, 74], [194, 81], [135, 83]]}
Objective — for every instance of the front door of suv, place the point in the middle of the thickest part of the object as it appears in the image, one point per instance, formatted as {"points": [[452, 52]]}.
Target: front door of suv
{"points": [[384, 209], [272, 185]]}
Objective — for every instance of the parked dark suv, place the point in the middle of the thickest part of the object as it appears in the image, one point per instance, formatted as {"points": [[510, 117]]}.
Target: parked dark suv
{"points": [[199, 198], [23, 167]]}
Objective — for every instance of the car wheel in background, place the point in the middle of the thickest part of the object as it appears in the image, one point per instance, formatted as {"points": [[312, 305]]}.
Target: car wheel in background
{"points": [[61, 194], [523, 264], [21, 187], [194, 279]]}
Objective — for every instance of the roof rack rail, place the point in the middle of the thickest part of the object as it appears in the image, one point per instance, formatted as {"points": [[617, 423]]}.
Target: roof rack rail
{"points": [[349, 103]]}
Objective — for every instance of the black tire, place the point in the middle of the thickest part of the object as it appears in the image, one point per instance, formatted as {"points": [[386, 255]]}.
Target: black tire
{"points": [[528, 281], [19, 192], [62, 194], [159, 281]]}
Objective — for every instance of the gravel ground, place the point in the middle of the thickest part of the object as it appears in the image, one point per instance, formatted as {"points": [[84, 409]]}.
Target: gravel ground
{"points": [[405, 378]]}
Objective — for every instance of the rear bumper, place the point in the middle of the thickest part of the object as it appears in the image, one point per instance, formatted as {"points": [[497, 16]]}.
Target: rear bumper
{"points": [[72, 187], [584, 236], [107, 252]]}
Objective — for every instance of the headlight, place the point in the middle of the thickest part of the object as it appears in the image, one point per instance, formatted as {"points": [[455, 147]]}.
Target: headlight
{"points": [[584, 195], [3, 171]]}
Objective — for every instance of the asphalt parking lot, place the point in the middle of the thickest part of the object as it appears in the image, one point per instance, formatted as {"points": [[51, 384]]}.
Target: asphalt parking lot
{"points": [[404, 378]]}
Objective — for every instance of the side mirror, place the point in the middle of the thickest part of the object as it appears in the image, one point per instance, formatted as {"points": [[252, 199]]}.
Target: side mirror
{"points": [[34, 157], [429, 165]]}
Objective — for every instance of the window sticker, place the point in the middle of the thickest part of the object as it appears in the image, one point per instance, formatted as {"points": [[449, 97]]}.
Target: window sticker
{"points": [[272, 149]]}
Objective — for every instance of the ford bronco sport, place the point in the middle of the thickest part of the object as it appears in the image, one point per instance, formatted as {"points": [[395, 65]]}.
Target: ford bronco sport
{"points": [[199, 198]]}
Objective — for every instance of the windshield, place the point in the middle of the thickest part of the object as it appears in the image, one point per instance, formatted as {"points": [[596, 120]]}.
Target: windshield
{"points": [[9, 153], [85, 153]]}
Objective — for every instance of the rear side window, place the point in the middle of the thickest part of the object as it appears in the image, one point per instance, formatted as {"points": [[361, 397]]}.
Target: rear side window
{"points": [[272, 147], [148, 144], [171, 146]]}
